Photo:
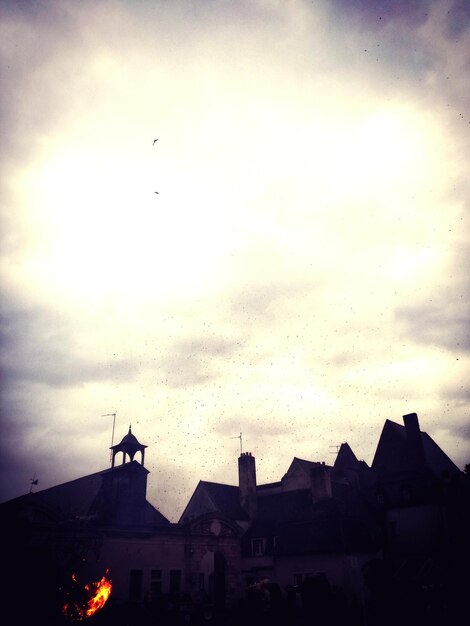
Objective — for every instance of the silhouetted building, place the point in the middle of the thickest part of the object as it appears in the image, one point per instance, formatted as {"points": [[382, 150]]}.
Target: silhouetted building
{"points": [[390, 539], [313, 522], [424, 504], [103, 523]]}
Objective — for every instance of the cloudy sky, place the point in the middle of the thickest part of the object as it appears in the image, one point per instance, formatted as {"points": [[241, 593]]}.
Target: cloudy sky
{"points": [[302, 273]]}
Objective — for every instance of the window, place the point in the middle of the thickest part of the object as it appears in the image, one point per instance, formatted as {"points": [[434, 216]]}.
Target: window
{"points": [[258, 547], [175, 581], [135, 585], [156, 582]]}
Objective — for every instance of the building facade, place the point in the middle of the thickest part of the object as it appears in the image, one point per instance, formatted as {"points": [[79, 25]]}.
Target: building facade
{"points": [[355, 532]]}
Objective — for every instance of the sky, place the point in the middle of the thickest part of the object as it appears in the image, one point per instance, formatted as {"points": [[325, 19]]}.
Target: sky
{"points": [[290, 260]]}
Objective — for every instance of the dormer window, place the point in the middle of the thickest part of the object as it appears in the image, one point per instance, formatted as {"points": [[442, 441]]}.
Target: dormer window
{"points": [[258, 547]]}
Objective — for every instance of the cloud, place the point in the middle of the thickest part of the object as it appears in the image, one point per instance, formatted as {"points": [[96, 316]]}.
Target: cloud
{"points": [[258, 427], [43, 346], [375, 15], [295, 278], [414, 14], [443, 319], [32, 33], [457, 395], [264, 302], [461, 431], [458, 18], [196, 361], [444, 324]]}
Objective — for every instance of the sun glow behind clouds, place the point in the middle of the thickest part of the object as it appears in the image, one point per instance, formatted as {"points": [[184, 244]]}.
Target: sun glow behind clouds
{"points": [[100, 225], [309, 211], [245, 155]]}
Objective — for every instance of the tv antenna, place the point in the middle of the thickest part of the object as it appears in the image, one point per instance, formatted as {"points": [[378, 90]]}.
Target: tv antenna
{"points": [[112, 435], [239, 437]]}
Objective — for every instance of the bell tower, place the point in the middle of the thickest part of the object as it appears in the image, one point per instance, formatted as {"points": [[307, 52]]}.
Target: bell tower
{"points": [[122, 496], [129, 446]]}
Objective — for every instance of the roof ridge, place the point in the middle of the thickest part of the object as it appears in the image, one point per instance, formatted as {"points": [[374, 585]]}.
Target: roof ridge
{"points": [[211, 482], [394, 423], [296, 458]]}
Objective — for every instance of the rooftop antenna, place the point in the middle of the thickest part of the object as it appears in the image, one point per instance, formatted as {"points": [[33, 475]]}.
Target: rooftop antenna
{"points": [[34, 481], [337, 449], [112, 436], [239, 437]]}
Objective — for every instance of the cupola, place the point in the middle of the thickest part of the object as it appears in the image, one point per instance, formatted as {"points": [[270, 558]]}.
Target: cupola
{"points": [[129, 446]]}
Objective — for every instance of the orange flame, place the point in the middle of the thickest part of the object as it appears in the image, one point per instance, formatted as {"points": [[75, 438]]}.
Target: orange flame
{"points": [[92, 598]]}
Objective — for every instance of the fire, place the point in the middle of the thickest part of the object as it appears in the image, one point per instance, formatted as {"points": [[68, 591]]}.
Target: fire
{"points": [[87, 600]]}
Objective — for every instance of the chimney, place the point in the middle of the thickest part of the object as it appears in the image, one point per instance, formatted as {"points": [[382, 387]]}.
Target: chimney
{"points": [[415, 442], [320, 476], [247, 484]]}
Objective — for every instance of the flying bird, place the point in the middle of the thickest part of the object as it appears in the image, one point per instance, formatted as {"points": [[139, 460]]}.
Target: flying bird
{"points": [[156, 191], [154, 141]]}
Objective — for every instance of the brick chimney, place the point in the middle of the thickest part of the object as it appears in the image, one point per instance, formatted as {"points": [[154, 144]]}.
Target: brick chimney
{"points": [[415, 442], [247, 484], [320, 476]]}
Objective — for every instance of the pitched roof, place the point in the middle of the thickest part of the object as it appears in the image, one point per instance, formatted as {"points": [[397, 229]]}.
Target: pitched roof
{"points": [[346, 459], [210, 497], [302, 464], [393, 454], [78, 499], [67, 500], [225, 499], [436, 458]]}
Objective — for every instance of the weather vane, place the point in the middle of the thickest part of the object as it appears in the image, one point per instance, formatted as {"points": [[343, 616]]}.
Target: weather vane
{"points": [[34, 481]]}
